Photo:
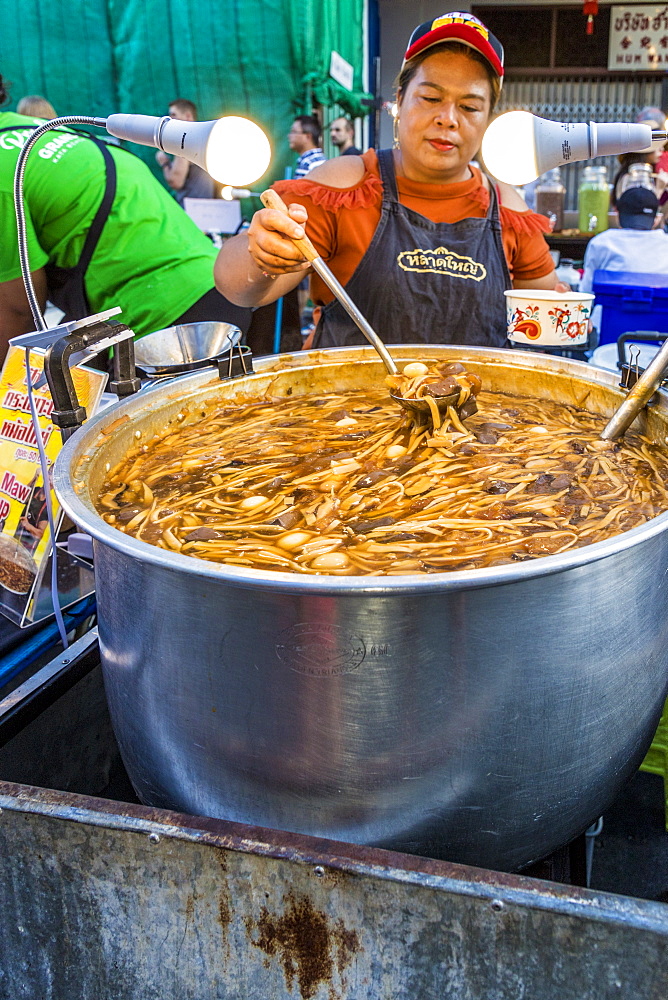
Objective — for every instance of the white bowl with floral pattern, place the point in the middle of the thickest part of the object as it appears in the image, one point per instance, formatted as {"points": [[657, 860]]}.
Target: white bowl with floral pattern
{"points": [[548, 319]]}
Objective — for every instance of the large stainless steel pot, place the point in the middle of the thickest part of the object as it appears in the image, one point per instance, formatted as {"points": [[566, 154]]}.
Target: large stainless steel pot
{"points": [[485, 716]]}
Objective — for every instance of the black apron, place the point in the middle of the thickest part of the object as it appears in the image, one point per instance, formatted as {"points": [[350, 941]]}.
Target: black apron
{"points": [[65, 285], [423, 282]]}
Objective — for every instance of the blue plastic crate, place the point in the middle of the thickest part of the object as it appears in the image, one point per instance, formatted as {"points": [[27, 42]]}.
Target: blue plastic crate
{"points": [[630, 300]]}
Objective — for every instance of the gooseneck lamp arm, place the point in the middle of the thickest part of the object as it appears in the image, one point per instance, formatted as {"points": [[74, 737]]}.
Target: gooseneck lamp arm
{"points": [[233, 150], [41, 326], [518, 146], [19, 207]]}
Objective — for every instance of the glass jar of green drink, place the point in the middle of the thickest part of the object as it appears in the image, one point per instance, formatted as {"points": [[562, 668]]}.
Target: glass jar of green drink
{"points": [[593, 200]]}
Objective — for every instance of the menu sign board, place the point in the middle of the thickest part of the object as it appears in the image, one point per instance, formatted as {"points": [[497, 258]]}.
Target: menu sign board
{"points": [[25, 541], [638, 38]]}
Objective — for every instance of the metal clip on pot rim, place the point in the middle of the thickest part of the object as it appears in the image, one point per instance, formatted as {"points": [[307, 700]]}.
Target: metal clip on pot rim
{"points": [[236, 363], [639, 395]]}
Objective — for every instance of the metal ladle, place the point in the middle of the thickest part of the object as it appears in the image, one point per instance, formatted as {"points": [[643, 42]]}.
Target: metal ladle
{"points": [[638, 395], [416, 406]]}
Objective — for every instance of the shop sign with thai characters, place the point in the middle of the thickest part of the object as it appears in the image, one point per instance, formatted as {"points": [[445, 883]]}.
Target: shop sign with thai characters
{"points": [[638, 38], [25, 540]]}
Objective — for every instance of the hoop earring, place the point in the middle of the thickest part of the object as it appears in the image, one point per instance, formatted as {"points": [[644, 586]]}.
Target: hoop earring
{"points": [[395, 132]]}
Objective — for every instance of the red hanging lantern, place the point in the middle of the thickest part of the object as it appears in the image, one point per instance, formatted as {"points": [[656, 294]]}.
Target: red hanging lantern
{"points": [[590, 9]]}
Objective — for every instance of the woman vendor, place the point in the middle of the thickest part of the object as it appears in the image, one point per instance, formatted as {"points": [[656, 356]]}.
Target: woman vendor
{"points": [[424, 243]]}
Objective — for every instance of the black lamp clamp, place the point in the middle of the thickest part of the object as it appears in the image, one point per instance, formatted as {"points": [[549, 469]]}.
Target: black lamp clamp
{"points": [[67, 413]]}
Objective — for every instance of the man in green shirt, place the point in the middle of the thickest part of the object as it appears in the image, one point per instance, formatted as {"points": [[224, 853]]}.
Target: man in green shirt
{"points": [[150, 259]]}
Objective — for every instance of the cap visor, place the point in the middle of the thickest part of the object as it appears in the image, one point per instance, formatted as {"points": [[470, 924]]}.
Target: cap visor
{"points": [[635, 221], [457, 33]]}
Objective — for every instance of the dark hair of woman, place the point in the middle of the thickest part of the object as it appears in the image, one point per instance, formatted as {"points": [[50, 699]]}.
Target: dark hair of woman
{"points": [[4, 95], [411, 68]]}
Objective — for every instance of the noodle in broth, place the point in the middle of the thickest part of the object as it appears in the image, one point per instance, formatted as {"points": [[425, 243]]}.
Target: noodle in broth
{"points": [[343, 484]]}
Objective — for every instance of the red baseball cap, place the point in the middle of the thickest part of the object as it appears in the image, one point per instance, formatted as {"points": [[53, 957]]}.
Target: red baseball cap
{"points": [[457, 27]]}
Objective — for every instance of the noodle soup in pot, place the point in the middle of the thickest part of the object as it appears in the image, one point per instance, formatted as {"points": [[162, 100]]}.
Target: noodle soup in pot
{"points": [[450, 643], [342, 483]]}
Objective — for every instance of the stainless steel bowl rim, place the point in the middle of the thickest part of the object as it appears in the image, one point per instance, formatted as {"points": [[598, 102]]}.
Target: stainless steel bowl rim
{"points": [[296, 583]]}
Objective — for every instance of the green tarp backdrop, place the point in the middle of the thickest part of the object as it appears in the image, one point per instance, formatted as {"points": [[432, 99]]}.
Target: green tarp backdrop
{"points": [[267, 59]]}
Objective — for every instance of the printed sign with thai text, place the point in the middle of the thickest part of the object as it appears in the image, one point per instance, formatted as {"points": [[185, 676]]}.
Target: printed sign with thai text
{"points": [[25, 541]]}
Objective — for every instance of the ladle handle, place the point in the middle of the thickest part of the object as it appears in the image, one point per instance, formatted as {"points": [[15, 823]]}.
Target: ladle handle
{"points": [[270, 199], [638, 396]]}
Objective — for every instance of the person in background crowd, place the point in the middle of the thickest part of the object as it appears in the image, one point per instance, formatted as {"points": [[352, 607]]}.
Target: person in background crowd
{"points": [[186, 179], [423, 242], [34, 106], [636, 246], [33, 522], [304, 138], [656, 119], [626, 160], [342, 134], [102, 232]]}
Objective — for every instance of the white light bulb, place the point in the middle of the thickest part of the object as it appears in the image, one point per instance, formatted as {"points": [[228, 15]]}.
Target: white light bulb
{"points": [[235, 151], [509, 148], [518, 146], [238, 151]]}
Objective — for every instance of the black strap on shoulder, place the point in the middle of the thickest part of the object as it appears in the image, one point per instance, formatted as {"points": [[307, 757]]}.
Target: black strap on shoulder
{"points": [[107, 198], [493, 208], [97, 225], [388, 175], [66, 285]]}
